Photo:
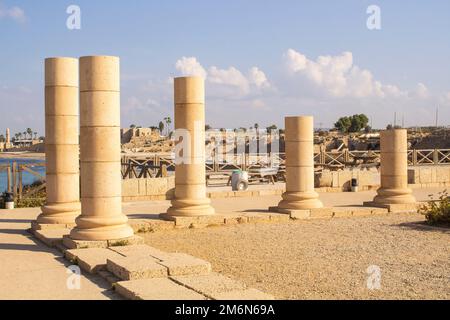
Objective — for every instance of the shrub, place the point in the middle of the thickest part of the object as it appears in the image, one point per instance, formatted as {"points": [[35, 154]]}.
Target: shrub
{"points": [[30, 203], [437, 211]]}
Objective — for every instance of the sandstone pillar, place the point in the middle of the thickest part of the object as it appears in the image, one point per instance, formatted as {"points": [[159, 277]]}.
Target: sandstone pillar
{"points": [[190, 176], [394, 169], [8, 137], [101, 195], [299, 145], [61, 142]]}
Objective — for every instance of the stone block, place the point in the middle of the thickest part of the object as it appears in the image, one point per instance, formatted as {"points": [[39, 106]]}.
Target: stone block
{"points": [[279, 217], [131, 241], [300, 214], [40, 226], [362, 212], [210, 285], [51, 237], [247, 294], [141, 250], [91, 260], [180, 264], [156, 289], [321, 213], [133, 268], [108, 276], [82, 244], [343, 212]]}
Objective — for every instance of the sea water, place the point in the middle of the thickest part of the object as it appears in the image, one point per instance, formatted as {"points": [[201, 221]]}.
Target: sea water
{"points": [[27, 177]]}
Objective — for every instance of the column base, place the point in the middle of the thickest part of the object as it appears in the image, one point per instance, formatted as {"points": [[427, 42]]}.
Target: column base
{"points": [[101, 228], [190, 208], [394, 196], [300, 201], [395, 207], [59, 213]]}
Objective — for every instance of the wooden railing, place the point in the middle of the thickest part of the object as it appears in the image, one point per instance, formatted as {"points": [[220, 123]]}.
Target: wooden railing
{"points": [[155, 165]]}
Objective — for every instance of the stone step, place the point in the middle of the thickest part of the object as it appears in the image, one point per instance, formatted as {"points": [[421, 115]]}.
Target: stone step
{"points": [[91, 260], [210, 285], [134, 268], [156, 289]]}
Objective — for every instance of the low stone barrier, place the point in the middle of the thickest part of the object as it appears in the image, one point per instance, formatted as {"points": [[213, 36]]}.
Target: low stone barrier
{"points": [[429, 176]]}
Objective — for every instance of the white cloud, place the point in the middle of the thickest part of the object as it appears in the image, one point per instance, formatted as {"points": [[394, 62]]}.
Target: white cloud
{"points": [[420, 92], [338, 75], [258, 78], [227, 82], [15, 13], [190, 67]]}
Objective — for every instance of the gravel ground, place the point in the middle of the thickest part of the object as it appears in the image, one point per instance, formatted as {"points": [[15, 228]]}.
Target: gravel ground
{"points": [[326, 259]]}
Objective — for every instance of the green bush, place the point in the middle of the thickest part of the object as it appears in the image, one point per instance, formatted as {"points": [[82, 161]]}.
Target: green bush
{"points": [[437, 211], [30, 203]]}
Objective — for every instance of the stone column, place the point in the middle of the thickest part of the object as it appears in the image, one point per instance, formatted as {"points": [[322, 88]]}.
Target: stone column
{"points": [[101, 181], [8, 137], [299, 148], [394, 169], [61, 142], [190, 177]]}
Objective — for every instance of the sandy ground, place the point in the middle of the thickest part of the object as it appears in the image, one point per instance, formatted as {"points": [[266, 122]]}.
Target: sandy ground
{"points": [[323, 259], [326, 259]]}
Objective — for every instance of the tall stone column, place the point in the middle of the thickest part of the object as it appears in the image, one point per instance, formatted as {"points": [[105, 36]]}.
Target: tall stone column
{"points": [[394, 169], [101, 181], [8, 137], [61, 142], [190, 176], [299, 145]]}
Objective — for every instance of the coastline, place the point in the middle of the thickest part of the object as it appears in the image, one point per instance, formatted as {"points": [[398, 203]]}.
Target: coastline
{"points": [[22, 155]]}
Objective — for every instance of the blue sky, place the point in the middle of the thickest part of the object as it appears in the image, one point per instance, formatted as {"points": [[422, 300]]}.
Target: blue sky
{"points": [[261, 59]]}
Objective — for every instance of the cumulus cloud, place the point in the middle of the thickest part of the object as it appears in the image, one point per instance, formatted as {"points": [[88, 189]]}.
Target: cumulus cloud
{"points": [[230, 80], [189, 66], [338, 75], [15, 13], [420, 92]]}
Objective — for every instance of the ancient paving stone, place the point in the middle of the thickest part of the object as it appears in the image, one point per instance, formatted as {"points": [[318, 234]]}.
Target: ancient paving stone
{"points": [[247, 294], [299, 214], [180, 264], [211, 284], [81, 244], [134, 240], [361, 212], [91, 260], [140, 250], [134, 268], [321, 213], [51, 237], [279, 217], [108, 276], [156, 289]]}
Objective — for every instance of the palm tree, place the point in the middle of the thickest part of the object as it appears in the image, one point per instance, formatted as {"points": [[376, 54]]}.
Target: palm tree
{"points": [[2, 138], [161, 127], [168, 121], [30, 133]]}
